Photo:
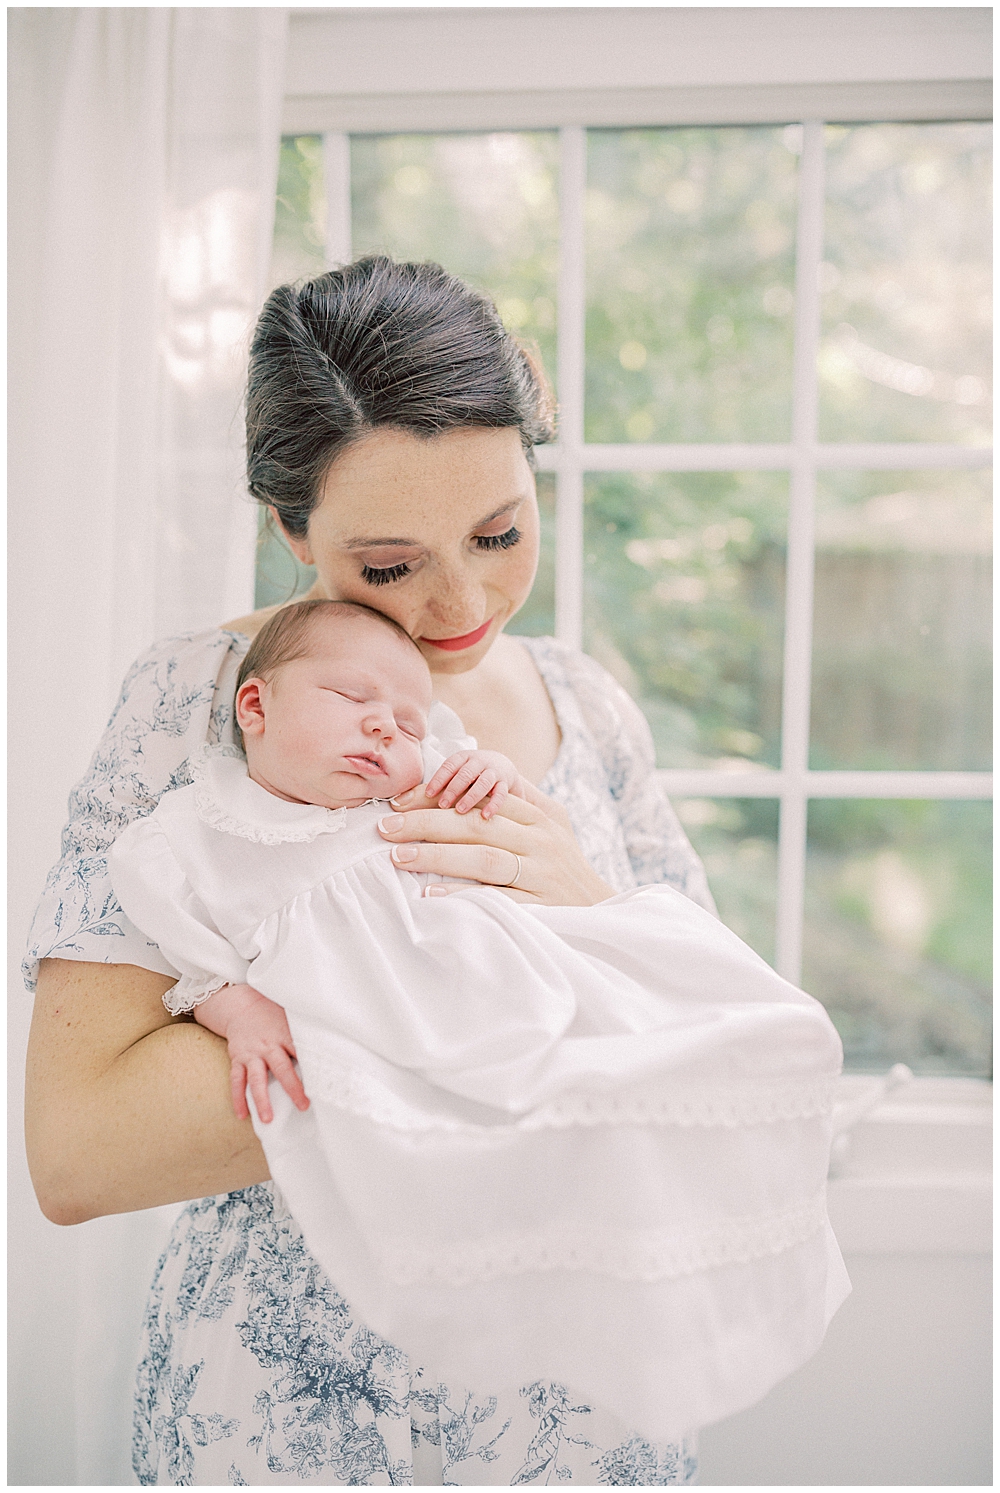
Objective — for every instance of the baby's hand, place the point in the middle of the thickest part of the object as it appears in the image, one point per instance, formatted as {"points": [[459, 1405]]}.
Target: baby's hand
{"points": [[466, 779], [259, 1040]]}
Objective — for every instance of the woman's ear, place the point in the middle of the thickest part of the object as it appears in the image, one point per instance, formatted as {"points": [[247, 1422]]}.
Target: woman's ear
{"points": [[250, 707], [299, 546]]}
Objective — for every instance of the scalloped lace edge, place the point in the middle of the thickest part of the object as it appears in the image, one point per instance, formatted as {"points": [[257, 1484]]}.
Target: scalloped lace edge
{"points": [[186, 1002], [352, 1092], [210, 811], [646, 1255]]}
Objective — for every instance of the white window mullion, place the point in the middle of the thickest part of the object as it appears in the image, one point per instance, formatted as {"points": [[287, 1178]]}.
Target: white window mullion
{"points": [[337, 188], [715, 456], [570, 378], [799, 571]]}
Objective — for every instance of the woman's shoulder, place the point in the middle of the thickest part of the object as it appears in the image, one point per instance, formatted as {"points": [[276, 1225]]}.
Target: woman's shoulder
{"points": [[174, 672]]}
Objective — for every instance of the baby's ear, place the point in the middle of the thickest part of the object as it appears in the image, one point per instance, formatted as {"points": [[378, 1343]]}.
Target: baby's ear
{"points": [[250, 708]]}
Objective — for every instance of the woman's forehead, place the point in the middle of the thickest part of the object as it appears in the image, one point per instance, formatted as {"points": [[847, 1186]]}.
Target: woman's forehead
{"points": [[392, 485]]}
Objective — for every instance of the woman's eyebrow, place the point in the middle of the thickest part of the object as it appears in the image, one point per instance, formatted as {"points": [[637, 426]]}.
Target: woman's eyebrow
{"points": [[370, 543]]}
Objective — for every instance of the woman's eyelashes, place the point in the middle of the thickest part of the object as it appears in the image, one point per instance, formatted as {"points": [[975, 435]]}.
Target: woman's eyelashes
{"points": [[382, 575], [499, 541]]}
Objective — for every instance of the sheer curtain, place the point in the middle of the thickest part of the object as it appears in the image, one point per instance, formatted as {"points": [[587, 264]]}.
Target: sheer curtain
{"points": [[143, 159]]}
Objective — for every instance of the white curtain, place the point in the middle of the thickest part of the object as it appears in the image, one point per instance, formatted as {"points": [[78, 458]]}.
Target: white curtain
{"points": [[143, 159]]}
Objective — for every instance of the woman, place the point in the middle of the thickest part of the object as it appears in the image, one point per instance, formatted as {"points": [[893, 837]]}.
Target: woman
{"points": [[390, 422]]}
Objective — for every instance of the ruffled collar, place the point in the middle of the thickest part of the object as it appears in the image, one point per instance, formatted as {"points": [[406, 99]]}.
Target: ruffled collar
{"points": [[228, 799]]}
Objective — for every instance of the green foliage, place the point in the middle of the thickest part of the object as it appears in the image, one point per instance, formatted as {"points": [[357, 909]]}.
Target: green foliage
{"points": [[484, 206], [684, 588], [690, 272], [908, 274]]}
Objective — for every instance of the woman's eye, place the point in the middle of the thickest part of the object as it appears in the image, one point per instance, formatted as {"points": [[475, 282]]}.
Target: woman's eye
{"points": [[382, 576], [499, 541]]}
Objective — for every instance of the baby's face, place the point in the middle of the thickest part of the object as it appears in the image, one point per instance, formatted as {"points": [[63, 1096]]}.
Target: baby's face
{"points": [[342, 725]]}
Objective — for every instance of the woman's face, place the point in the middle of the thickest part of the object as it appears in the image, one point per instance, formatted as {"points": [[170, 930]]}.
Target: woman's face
{"points": [[440, 534]]}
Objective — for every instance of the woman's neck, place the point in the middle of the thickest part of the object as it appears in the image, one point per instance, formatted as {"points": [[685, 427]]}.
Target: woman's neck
{"points": [[504, 704]]}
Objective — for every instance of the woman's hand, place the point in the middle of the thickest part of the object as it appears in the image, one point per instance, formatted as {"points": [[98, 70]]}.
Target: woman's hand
{"points": [[529, 840]]}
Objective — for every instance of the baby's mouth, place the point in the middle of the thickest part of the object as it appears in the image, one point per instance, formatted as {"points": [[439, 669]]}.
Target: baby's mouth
{"points": [[368, 766]]}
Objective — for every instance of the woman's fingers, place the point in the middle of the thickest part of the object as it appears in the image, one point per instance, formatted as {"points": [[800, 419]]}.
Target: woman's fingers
{"points": [[486, 863], [445, 826]]}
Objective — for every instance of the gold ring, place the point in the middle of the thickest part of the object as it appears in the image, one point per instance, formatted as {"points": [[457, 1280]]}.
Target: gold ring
{"points": [[517, 873]]}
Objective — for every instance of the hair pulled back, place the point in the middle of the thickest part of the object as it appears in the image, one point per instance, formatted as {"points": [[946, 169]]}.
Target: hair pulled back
{"points": [[376, 343]]}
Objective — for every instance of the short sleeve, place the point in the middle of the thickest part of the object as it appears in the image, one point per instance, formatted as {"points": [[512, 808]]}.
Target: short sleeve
{"points": [[176, 697], [658, 848], [151, 885]]}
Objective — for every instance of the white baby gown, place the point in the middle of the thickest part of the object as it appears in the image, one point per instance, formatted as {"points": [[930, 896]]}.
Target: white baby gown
{"points": [[586, 1144]]}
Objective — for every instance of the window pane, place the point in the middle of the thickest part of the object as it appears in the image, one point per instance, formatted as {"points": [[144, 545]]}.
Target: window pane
{"points": [[484, 206], [299, 226], [897, 931], [684, 580], [737, 838], [906, 306], [901, 647], [537, 618], [690, 275]]}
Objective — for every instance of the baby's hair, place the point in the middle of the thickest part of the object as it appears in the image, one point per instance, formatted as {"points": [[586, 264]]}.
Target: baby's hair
{"points": [[290, 632]]}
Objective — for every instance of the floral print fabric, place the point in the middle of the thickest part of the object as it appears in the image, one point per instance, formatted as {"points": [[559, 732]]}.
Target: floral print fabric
{"points": [[254, 1369]]}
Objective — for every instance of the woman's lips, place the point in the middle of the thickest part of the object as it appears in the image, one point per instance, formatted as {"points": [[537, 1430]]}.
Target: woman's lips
{"points": [[465, 641], [368, 767]]}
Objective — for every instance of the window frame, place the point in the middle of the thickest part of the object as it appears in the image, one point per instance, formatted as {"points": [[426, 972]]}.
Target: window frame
{"points": [[571, 458]]}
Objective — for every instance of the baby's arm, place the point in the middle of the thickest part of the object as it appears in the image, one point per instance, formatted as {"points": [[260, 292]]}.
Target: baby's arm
{"points": [[256, 1031], [466, 779]]}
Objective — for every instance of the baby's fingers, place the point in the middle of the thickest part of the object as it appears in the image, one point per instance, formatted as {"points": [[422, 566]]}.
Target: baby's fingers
{"points": [[495, 801], [471, 774], [257, 1079], [238, 1089], [449, 767], [281, 1066], [481, 789]]}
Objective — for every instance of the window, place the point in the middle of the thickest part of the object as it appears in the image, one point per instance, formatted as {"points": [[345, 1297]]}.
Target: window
{"points": [[767, 512]]}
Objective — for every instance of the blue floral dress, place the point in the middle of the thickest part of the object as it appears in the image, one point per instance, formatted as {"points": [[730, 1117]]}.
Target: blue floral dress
{"points": [[254, 1368]]}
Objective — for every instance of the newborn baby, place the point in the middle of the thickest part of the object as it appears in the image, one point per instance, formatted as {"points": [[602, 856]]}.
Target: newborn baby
{"points": [[339, 727], [577, 1143]]}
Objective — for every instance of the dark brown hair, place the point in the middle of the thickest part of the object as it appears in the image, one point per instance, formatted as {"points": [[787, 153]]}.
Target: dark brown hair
{"points": [[289, 635], [373, 344]]}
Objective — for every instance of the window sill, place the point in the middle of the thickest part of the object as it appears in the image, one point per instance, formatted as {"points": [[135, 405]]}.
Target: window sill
{"points": [[916, 1174]]}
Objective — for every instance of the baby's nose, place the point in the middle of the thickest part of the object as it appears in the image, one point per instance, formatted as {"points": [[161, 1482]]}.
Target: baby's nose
{"points": [[381, 721]]}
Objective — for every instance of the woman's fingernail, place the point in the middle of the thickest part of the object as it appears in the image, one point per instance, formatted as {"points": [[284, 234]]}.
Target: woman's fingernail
{"points": [[402, 798], [436, 891], [391, 823], [403, 853]]}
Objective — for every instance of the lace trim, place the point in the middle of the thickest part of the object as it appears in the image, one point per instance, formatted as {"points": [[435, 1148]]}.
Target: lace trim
{"points": [[709, 1108], [185, 1002], [212, 813], [630, 1255]]}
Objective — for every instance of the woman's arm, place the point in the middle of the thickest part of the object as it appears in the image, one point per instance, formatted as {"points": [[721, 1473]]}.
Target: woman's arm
{"points": [[126, 1107]]}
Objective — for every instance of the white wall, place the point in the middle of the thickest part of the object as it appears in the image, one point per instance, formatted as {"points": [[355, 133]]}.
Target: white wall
{"points": [[900, 1392], [374, 51]]}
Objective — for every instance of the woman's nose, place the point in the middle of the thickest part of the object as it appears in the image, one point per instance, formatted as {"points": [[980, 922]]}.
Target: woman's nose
{"points": [[456, 603]]}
